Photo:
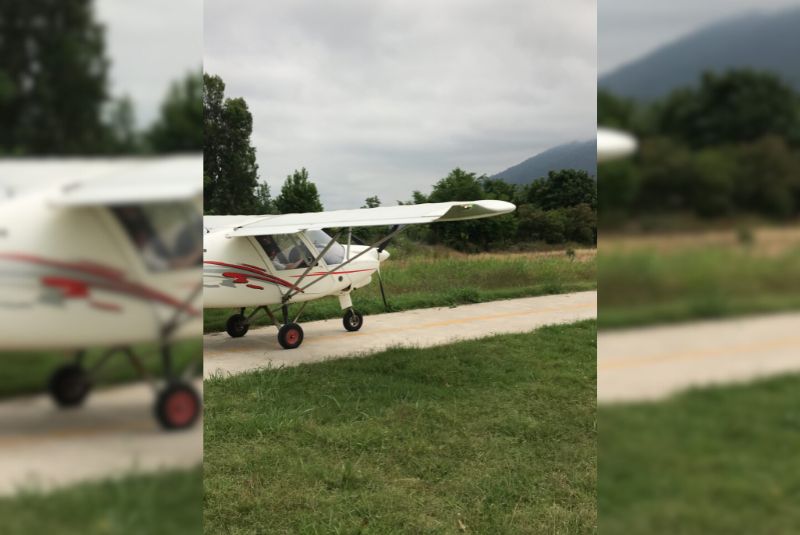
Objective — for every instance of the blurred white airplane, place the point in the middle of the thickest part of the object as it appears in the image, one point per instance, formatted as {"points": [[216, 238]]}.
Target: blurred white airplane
{"points": [[276, 260], [614, 144], [103, 253]]}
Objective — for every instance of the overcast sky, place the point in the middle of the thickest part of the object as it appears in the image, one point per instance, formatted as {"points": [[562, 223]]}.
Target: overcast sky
{"points": [[387, 97], [150, 43], [628, 29]]}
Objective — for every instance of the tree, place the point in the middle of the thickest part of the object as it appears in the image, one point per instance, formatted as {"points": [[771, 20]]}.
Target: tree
{"points": [[298, 195], [536, 224], [179, 127], [560, 189], [264, 203], [122, 135], [614, 111], [474, 235], [735, 107], [230, 172], [372, 202], [53, 78]]}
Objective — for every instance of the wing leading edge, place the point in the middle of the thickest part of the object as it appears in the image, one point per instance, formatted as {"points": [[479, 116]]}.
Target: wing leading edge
{"points": [[364, 217]]}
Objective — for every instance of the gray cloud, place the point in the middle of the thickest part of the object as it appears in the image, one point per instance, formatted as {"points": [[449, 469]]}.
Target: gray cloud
{"points": [[386, 97], [628, 29], [150, 43]]}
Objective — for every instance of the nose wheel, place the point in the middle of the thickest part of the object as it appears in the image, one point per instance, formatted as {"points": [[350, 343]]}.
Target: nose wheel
{"points": [[352, 320]]}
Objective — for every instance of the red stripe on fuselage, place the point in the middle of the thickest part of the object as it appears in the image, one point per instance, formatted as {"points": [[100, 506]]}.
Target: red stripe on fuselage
{"points": [[114, 280], [335, 272]]}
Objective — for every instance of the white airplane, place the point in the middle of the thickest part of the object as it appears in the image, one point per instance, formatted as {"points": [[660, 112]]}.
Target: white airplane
{"points": [[269, 262], [614, 144], [103, 253]]}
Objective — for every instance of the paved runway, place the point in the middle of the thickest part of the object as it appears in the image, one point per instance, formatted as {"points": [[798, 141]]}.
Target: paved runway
{"points": [[422, 328], [43, 447], [652, 363]]}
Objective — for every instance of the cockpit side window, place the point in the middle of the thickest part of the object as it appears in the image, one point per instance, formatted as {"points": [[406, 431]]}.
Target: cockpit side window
{"points": [[169, 236], [286, 251], [320, 239]]}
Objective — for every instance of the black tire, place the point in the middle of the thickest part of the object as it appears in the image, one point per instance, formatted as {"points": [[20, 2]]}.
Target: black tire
{"points": [[237, 326], [352, 320], [178, 406], [290, 336], [69, 385]]}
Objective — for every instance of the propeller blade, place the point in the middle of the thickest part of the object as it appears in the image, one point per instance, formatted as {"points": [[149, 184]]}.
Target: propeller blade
{"points": [[387, 242]]}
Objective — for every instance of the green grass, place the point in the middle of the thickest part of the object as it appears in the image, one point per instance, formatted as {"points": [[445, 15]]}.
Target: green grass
{"points": [[29, 372], [645, 287], [167, 503], [423, 282], [489, 436], [719, 460]]}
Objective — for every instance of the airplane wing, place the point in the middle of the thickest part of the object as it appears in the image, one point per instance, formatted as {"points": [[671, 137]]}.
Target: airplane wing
{"points": [[613, 144], [103, 181], [364, 217]]}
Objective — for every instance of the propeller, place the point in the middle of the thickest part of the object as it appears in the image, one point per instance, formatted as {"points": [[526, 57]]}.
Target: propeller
{"points": [[387, 242]]}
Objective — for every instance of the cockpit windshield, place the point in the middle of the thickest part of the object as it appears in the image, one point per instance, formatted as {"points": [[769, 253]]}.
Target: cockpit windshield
{"points": [[320, 239], [167, 235]]}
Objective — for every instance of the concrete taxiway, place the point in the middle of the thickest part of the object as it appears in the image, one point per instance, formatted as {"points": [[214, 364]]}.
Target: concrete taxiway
{"points": [[223, 355], [114, 433], [652, 363]]}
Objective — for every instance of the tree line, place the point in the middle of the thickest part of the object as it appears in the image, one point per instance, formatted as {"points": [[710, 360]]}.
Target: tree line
{"points": [[54, 90], [726, 148], [556, 209]]}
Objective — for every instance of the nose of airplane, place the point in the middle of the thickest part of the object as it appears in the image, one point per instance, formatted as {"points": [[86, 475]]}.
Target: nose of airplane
{"points": [[383, 255]]}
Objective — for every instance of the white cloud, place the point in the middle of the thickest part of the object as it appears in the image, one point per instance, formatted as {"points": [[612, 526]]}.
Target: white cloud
{"points": [[150, 44], [386, 97]]}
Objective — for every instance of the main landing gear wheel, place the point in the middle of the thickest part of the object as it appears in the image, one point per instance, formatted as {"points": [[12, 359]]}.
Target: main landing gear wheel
{"points": [[237, 326], [69, 385], [177, 406], [352, 320], [290, 336]]}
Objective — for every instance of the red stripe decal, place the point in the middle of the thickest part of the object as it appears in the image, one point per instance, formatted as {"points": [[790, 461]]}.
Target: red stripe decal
{"points": [[114, 281], [334, 272]]}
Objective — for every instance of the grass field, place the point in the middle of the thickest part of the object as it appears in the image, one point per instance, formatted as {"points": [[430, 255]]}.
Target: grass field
{"points": [[159, 504], [490, 436], [718, 460], [647, 285], [436, 277], [29, 372]]}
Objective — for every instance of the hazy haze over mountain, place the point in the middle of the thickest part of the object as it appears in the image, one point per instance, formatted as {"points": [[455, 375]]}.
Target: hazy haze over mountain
{"points": [[763, 41], [575, 155]]}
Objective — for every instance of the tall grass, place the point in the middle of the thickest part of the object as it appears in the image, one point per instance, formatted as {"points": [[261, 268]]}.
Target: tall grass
{"points": [[648, 286]]}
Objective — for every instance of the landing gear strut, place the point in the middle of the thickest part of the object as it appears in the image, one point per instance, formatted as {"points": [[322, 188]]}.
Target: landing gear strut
{"points": [[177, 403]]}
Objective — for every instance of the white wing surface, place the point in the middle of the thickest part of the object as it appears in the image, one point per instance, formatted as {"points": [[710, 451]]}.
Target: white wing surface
{"points": [[103, 181], [613, 144], [364, 217]]}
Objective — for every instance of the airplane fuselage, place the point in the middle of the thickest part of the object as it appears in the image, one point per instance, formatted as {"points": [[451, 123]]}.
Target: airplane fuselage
{"points": [[238, 271]]}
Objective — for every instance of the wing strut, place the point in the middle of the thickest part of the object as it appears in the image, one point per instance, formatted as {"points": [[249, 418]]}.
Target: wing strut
{"points": [[288, 295]]}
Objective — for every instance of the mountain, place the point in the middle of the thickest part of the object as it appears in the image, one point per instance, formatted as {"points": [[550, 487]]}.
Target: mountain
{"points": [[761, 41], [575, 155]]}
